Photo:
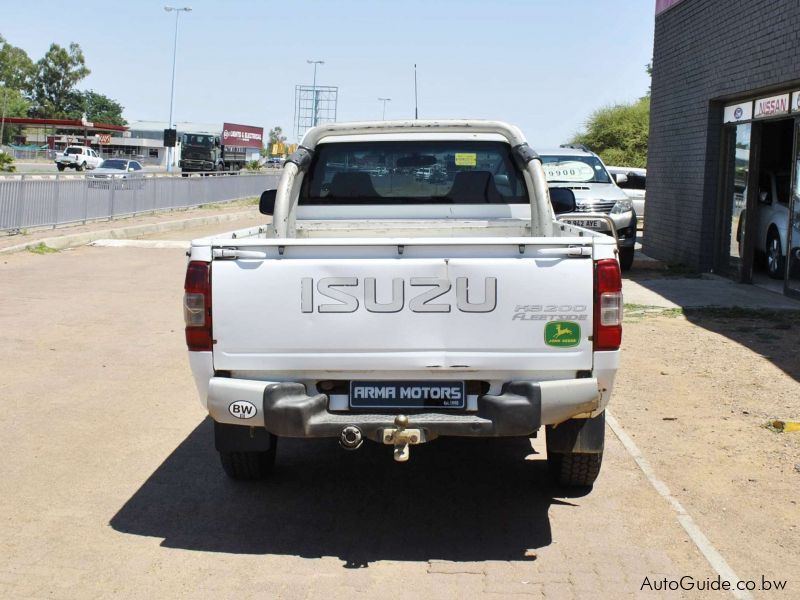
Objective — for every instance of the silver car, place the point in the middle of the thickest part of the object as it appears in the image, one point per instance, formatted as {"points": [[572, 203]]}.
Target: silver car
{"points": [[596, 191], [118, 174]]}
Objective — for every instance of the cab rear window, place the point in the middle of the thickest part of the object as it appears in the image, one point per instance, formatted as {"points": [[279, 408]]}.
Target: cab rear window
{"points": [[414, 172]]}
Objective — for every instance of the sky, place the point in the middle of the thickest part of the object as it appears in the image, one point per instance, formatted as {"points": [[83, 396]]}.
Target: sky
{"points": [[541, 65]]}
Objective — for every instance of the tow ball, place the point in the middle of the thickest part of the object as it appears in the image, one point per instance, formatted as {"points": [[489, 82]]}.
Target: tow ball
{"points": [[401, 437]]}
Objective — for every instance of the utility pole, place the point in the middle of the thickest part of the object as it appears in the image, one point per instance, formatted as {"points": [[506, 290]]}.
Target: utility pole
{"points": [[314, 87], [416, 109], [384, 100], [177, 11]]}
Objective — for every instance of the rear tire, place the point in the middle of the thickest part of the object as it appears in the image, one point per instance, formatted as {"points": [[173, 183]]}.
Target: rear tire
{"points": [[575, 450], [576, 469], [626, 258], [81, 167], [248, 466]]}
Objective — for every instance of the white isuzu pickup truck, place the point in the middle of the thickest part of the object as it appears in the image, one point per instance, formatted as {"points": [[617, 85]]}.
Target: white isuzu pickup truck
{"points": [[414, 282]]}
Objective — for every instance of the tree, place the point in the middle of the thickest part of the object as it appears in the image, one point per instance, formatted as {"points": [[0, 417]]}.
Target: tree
{"points": [[16, 68], [12, 104], [57, 74], [276, 135], [6, 163], [619, 133], [100, 109]]}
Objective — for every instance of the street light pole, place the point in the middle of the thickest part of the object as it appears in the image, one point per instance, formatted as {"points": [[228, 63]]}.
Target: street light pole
{"points": [[3, 118], [314, 87], [177, 11], [384, 100]]}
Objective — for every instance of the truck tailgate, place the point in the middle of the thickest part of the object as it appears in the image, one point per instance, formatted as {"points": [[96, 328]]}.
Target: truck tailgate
{"points": [[403, 308]]}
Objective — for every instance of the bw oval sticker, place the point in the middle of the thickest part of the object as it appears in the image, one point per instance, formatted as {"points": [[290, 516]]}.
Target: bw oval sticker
{"points": [[563, 334]]}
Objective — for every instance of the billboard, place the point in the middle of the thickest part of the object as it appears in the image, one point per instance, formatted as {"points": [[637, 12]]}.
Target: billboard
{"points": [[246, 136]]}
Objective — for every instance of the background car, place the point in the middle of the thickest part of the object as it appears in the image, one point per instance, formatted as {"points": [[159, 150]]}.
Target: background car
{"points": [[581, 170], [117, 173], [772, 216], [633, 184], [79, 158]]}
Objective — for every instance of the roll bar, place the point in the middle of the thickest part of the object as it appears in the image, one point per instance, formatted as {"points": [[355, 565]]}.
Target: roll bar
{"points": [[527, 160]]}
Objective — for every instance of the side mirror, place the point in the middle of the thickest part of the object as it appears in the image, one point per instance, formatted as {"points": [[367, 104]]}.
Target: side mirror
{"points": [[266, 204], [620, 178], [131, 169], [562, 199]]}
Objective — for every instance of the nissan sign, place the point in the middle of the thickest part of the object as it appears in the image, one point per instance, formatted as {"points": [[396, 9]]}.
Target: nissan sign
{"points": [[246, 136]]}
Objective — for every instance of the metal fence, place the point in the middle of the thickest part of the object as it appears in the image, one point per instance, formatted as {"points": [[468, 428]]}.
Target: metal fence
{"points": [[28, 201]]}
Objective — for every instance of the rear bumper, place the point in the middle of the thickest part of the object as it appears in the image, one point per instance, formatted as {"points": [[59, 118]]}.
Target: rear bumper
{"points": [[286, 409]]}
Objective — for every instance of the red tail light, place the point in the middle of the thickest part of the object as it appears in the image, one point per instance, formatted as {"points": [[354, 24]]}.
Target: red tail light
{"points": [[197, 305], [607, 305]]}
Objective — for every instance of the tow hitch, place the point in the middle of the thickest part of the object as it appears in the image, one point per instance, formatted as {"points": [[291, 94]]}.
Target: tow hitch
{"points": [[401, 437]]}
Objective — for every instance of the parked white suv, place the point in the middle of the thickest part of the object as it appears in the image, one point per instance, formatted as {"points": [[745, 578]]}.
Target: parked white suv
{"points": [[581, 170], [633, 181], [79, 158]]}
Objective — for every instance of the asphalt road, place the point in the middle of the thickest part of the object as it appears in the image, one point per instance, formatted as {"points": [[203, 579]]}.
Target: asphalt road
{"points": [[110, 486]]}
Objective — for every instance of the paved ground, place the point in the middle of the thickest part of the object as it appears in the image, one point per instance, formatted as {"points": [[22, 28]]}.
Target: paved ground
{"points": [[111, 486]]}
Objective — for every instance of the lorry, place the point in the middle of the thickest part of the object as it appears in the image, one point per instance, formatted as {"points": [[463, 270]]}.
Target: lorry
{"points": [[397, 310], [225, 151], [203, 152]]}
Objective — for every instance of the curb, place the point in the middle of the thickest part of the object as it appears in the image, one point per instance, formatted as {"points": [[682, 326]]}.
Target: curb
{"points": [[131, 231]]}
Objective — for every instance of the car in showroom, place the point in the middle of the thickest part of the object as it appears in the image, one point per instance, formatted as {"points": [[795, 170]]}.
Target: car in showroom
{"points": [[633, 181], [596, 191], [772, 216], [117, 173]]}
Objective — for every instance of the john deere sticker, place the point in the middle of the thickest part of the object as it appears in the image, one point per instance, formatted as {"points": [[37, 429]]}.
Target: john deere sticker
{"points": [[562, 334]]}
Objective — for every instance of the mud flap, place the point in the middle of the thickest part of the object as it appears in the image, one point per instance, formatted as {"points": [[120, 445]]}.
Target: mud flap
{"points": [[239, 438], [584, 436]]}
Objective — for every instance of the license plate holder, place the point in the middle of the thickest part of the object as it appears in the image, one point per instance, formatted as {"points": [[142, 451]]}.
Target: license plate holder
{"points": [[408, 394]]}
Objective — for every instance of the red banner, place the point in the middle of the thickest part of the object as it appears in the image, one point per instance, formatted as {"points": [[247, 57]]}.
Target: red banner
{"points": [[662, 5], [242, 135]]}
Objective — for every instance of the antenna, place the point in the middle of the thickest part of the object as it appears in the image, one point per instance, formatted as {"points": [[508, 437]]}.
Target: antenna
{"points": [[416, 106]]}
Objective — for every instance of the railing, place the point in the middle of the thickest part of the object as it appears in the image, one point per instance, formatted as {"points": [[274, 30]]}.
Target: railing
{"points": [[28, 201]]}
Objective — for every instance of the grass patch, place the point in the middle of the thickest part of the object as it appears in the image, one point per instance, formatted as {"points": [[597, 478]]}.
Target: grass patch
{"points": [[234, 203], [641, 310], [777, 318], [42, 248]]}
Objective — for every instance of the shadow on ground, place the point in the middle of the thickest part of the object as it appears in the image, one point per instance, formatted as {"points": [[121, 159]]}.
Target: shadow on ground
{"points": [[456, 499], [763, 321], [773, 334]]}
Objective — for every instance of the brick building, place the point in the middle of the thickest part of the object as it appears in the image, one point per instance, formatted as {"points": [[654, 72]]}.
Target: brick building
{"points": [[724, 139]]}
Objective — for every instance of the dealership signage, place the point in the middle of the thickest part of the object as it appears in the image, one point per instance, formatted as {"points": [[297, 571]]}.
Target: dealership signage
{"points": [[771, 106], [242, 135], [739, 112]]}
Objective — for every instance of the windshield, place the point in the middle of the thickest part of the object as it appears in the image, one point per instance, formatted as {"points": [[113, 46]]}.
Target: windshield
{"points": [[193, 139], [574, 169], [414, 172], [73, 151], [114, 163]]}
